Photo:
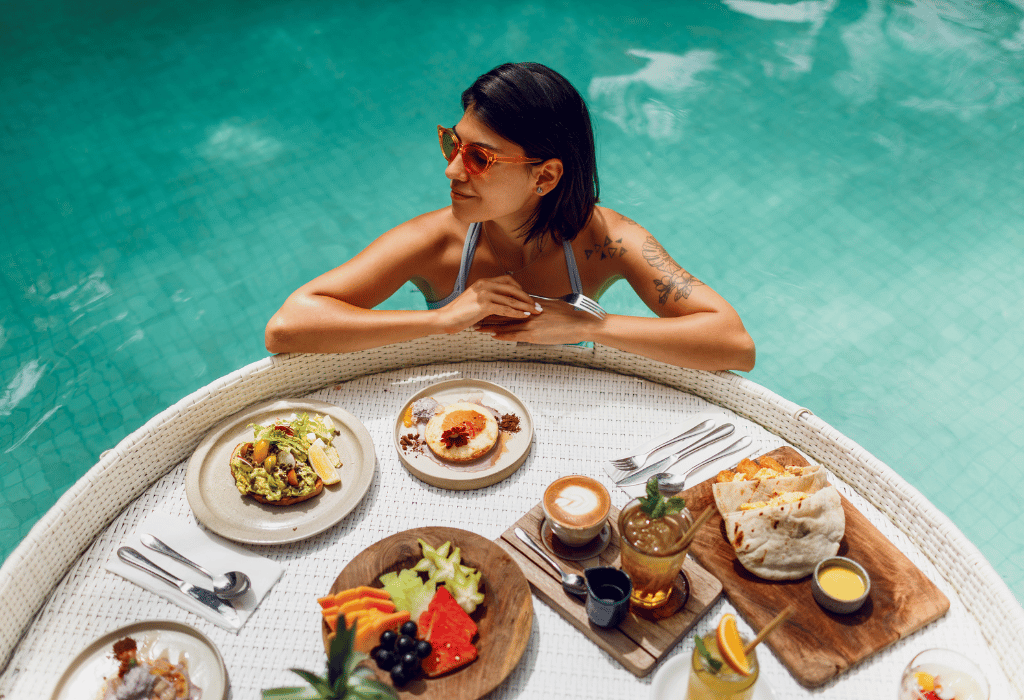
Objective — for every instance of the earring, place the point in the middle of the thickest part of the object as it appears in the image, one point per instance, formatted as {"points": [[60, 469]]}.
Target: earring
{"points": [[540, 190]]}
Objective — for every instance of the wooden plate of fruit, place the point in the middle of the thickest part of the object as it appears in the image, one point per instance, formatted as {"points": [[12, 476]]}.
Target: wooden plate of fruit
{"points": [[500, 624]]}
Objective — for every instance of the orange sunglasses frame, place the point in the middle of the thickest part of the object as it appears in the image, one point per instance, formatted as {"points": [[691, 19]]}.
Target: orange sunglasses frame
{"points": [[461, 148]]}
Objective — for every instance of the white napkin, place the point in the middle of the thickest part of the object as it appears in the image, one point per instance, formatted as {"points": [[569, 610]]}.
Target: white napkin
{"points": [[210, 551], [637, 490]]}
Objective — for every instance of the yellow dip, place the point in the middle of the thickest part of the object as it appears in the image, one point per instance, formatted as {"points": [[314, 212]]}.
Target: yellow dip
{"points": [[841, 583]]}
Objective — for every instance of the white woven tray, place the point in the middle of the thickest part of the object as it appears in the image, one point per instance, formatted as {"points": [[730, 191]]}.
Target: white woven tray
{"points": [[586, 405]]}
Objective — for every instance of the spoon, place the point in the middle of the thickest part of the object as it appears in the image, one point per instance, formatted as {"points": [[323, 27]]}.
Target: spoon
{"points": [[669, 483], [572, 583], [227, 586]]}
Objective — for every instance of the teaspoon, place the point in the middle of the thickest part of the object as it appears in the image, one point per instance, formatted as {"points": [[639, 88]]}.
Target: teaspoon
{"points": [[227, 586], [572, 583]]}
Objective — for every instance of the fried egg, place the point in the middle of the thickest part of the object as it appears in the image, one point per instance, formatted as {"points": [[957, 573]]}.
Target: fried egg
{"points": [[468, 428]]}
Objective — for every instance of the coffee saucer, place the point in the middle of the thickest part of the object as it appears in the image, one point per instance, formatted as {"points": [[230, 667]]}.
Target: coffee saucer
{"points": [[587, 551]]}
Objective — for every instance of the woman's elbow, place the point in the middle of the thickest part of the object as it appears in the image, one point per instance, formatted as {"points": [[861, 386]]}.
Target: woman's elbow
{"points": [[746, 354], [277, 336]]}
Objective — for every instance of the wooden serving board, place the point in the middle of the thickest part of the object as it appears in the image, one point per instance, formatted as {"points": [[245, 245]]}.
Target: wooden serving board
{"points": [[504, 619], [638, 643], [814, 644]]}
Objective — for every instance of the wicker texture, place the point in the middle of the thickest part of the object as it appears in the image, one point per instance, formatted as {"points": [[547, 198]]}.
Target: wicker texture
{"points": [[587, 404]]}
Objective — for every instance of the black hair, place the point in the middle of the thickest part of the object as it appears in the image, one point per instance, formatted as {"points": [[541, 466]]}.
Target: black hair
{"points": [[533, 106]]}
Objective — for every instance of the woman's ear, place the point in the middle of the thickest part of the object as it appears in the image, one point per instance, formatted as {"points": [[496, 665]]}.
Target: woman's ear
{"points": [[547, 175]]}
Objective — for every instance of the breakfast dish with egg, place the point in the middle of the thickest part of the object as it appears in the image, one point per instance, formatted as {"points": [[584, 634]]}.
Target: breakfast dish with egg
{"points": [[287, 462], [463, 433], [782, 526]]}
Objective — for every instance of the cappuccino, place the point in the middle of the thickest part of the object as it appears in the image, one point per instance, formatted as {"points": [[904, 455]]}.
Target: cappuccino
{"points": [[576, 508]]}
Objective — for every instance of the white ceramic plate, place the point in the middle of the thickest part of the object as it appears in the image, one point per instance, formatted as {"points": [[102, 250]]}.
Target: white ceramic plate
{"points": [[670, 681], [218, 505], [488, 470], [87, 674]]}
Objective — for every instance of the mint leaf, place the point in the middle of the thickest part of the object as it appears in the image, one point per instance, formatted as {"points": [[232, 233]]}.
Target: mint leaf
{"points": [[714, 663], [655, 505]]}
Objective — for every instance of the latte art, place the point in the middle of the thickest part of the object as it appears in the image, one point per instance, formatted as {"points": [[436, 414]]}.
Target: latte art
{"points": [[578, 500]]}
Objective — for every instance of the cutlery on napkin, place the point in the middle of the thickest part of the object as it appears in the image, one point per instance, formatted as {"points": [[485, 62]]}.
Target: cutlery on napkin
{"points": [[213, 552]]}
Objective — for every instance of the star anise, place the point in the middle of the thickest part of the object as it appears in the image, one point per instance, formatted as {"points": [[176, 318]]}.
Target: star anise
{"points": [[456, 436]]}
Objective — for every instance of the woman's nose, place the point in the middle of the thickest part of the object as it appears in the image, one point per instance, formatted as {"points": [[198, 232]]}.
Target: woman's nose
{"points": [[455, 169]]}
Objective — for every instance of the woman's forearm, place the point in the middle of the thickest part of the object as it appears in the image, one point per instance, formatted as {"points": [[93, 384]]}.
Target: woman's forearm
{"points": [[702, 340], [316, 323]]}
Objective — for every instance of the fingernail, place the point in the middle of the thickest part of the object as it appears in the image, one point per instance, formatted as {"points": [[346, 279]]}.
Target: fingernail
{"points": [[526, 313], [538, 306]]}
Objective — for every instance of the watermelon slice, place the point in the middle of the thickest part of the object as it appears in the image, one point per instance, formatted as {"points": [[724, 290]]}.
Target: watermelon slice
{"points": [[450, 631], [448, 656], [449, 616]]}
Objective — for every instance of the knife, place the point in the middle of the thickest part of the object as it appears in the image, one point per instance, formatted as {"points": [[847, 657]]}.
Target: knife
{"points": [[207, 598], [662, 464]]}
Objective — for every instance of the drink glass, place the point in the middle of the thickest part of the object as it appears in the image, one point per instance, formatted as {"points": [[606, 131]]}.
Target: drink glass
{"points": [[952, 670], [724, 684], [652, 552]]}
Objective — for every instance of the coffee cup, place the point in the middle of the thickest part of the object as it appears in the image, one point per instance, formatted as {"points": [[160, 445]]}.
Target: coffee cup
{"points": [[608, 592], [576, 507]]}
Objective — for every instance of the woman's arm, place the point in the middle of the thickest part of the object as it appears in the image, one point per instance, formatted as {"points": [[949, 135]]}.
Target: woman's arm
{"points": [[334, 312], [695, 327]]}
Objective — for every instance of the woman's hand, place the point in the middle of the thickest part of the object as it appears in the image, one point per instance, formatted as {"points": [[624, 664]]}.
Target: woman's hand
{"points": [[496, 298], [559, 324]]}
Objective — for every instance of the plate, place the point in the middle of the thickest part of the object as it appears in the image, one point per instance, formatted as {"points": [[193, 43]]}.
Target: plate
{"points": [[504, 619], [218, 505], [482, 472], [86, 675], [670, 681]]}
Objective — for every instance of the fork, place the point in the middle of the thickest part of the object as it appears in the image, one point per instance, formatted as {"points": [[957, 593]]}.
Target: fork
{"points": [[636, 461], [578, 301]]}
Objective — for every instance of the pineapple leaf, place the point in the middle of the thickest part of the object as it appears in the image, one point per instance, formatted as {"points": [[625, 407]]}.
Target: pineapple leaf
{"points": [[339, 653], [372, 690], [319, 684], [294, 693]]}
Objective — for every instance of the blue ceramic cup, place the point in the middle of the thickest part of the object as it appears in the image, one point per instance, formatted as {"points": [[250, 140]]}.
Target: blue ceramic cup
{"points": [[608, 591]]}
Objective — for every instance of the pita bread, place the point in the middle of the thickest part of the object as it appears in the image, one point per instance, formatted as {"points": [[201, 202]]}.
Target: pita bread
{"points": [[782, 542]]}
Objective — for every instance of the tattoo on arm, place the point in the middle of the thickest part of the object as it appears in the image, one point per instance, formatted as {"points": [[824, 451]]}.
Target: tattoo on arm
{"points": [[607, 249], [675, 282]]}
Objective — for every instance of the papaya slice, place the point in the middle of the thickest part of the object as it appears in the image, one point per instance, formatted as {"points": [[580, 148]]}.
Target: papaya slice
{"points": [[369, 627], [335, 599], [365, 604]]}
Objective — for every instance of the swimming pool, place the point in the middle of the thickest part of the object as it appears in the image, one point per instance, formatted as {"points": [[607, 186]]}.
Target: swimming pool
{"points": [[848, 175]]}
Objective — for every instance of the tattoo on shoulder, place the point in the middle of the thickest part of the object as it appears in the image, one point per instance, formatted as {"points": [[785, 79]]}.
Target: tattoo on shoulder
{"points": [[675, 281], [607, 249]]}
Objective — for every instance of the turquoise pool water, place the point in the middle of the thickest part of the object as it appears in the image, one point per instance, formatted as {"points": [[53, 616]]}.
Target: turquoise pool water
{"points": [[850, 175]]}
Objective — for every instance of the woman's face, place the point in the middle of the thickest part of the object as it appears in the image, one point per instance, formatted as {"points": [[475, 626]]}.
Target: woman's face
{"points": [[505, 193]]}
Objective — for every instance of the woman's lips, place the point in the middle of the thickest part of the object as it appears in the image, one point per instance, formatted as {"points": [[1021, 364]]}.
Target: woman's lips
{"points": [[459, 196]]}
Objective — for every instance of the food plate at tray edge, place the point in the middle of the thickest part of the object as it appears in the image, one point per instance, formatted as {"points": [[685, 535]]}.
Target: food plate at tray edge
{"points": [[458, 478], [219, 506], [505, 619], [206, 666]]}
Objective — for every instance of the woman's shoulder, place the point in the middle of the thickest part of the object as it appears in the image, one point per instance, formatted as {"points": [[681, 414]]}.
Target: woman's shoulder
{"points": [[610, 235], [429, 232]]}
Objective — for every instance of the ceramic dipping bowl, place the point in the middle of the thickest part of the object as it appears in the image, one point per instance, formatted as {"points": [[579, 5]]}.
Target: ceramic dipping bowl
{"points": [[833, 578]]}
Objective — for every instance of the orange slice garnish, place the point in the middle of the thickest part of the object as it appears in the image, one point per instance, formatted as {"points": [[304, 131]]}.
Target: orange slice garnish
{"points": [[730, 646]]}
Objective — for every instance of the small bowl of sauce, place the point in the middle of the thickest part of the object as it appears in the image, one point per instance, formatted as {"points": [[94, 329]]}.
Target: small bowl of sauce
{"points": [[840, 585]]}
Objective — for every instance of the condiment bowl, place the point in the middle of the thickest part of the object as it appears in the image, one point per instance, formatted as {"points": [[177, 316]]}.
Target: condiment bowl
{"points": [[829, 600]]}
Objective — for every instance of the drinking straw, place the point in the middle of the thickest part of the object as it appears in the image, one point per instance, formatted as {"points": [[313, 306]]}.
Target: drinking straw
{"points": [[790, 609], [703, 518]]}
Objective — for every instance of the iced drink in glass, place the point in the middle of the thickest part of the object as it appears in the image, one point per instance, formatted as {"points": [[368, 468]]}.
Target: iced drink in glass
{"points": [[723, 684], [652, 552]]}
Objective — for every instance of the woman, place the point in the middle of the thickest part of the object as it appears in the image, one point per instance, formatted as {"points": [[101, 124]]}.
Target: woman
{"points": [[523, 221]]}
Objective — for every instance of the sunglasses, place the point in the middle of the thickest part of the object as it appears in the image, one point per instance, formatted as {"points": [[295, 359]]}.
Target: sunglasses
{"points": [[476, 159]]}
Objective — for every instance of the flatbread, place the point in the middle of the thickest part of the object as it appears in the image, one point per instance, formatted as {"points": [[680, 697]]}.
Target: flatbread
{"points": [[787, 541]]}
